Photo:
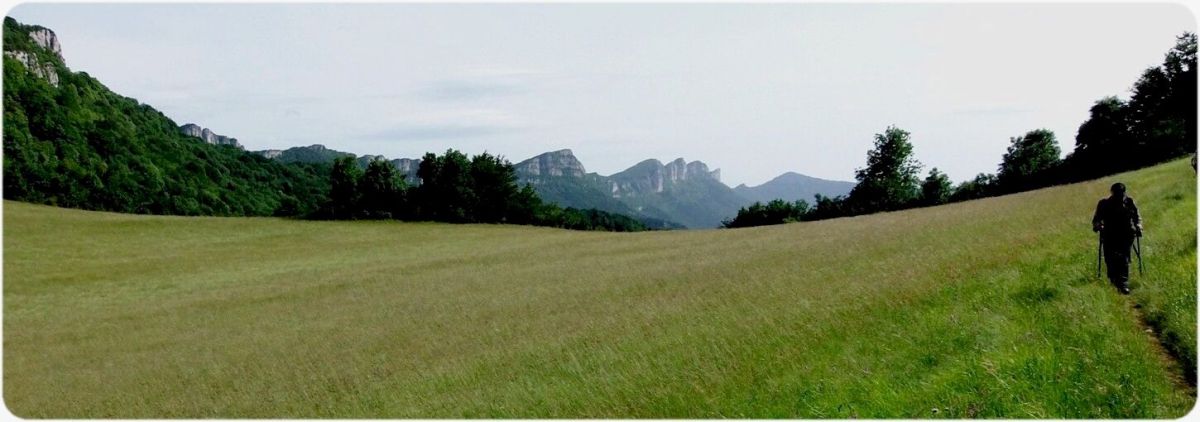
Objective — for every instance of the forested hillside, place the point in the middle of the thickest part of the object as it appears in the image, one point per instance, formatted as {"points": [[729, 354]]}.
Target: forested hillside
{"points": [[70, 141]]}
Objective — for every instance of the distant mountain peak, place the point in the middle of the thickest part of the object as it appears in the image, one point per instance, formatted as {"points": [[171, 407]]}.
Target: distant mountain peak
{"points": [[791, 186], [652, 176], [553, 164]]}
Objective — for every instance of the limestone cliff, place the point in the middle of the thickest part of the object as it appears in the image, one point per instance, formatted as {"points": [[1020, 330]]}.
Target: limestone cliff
{"points": [[652, 176], [554, 164], [207, 135], [40, 53]]}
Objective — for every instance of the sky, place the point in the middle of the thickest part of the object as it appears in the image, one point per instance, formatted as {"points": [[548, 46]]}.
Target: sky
{"points": [[753, 89]]}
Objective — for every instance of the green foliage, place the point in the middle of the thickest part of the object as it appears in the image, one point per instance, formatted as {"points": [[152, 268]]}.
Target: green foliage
{"points": [[344, 196], [936, 188], [1100, 144], [776, 211], [383, 190], [310, 154], [889, 181], [445, 192], [983, 185], [589, 219], [1028, 157], [80, 145], [455, 189], [493, 184], [1157, 123]]}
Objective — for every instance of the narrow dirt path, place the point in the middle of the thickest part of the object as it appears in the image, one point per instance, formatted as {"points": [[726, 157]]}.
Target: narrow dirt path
{"points": [[1172, 362]]}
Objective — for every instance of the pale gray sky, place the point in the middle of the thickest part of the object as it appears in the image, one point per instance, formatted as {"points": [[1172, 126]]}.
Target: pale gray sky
{"points": [[755, 90]]}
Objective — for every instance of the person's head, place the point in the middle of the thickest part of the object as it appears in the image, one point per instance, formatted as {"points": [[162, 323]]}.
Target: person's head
{"points": [[1118, 190]]}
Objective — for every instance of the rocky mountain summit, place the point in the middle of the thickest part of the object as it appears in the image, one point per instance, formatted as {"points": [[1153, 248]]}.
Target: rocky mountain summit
{"points": [[652, 176], [669, 194], [207, 135], [555, 163]]}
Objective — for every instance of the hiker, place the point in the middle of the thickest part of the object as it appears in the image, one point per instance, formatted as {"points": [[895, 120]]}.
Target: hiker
{"points": [[1118, 222]]}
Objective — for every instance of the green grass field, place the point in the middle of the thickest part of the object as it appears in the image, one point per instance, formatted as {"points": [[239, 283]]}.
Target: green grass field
{"points": [[988, 308]]}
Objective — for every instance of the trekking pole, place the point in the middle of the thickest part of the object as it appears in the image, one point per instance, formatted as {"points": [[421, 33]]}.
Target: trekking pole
{"points": [[1099, 252], [1137, 247]]}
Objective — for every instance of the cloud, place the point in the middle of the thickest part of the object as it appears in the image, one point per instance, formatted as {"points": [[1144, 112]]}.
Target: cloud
{"points": [[481, 82], [463, 90], [441, 131]]}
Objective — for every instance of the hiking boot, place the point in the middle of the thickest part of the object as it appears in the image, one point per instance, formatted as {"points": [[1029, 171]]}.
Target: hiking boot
{"points": [[1123, 289]]}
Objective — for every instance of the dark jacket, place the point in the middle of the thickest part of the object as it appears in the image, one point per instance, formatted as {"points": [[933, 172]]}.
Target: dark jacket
{"points": [[1117, 216]]}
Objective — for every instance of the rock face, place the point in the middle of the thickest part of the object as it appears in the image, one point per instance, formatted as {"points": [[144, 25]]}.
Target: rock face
{"points": [[45, 39], [652, 176], [208, 136], [557, 163], [367, 159], [408, 167]]}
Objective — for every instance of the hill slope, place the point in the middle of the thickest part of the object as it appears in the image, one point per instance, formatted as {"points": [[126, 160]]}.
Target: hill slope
{"points": [[70, 141], [793, 186], [982, 308]]}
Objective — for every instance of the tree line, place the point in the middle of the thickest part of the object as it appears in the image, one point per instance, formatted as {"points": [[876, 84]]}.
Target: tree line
{"points": [[453, 188], [1156, 124]]}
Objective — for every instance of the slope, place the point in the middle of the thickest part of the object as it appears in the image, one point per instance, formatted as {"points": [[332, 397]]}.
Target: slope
{"points": [[70, 141], [986, 308], [793, 186]]}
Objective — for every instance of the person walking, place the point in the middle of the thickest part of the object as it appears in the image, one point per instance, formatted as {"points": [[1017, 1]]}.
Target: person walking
{"points": [[1119, 223]]}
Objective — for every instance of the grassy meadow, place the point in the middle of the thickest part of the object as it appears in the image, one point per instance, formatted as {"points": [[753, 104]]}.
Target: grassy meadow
{"points": [[987, 308]]}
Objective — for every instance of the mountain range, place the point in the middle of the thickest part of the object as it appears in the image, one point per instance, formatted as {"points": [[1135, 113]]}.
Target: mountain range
{"points": [[70, 141], [673, 194]]}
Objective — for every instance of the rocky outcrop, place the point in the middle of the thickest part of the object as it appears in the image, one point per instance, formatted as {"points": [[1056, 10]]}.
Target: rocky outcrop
{"points": [[46, 39], [45, 69], [208, 136], [405, 166], [367, 159], [408, 167], [555, 164], [652, 176]]}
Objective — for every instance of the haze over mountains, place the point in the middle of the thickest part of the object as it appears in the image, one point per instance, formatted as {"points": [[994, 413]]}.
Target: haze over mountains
{"points": [[680, 192]]}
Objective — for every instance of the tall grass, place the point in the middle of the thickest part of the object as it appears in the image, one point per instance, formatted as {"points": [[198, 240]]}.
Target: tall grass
{"points": [[987, 308]]}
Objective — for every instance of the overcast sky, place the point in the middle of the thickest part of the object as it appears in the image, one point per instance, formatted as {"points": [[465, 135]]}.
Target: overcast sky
{"points": [[755, 90]]}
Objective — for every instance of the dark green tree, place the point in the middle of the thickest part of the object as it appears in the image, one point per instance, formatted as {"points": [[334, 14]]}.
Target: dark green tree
{"points": [[382, 189], [889, 181], [494, 184], [777, 211], [344, 197], [1180, 65], [936, 188], [1101, 139], [1157, 123], [983, 185], [1028, 157], [445, 192]]}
